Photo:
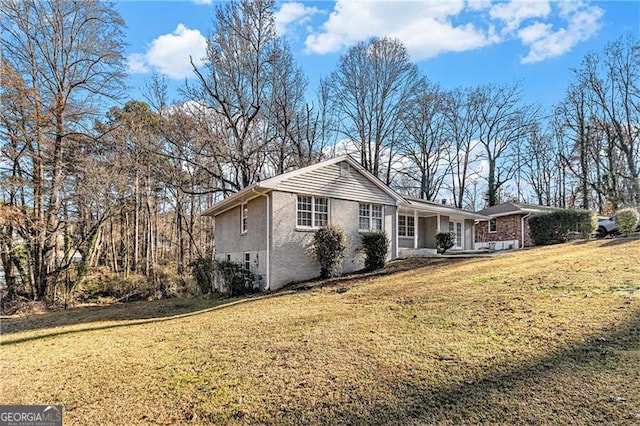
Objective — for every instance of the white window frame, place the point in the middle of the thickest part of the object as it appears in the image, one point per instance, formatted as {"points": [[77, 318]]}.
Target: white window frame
{"points": [[495, 225], [452, 227], [246, 259], [405, 233], [314, 212], [244, 218], [370, 217]]}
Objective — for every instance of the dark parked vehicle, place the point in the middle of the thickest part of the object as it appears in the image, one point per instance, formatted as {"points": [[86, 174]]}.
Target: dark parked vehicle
{"points": [[609, 227]]}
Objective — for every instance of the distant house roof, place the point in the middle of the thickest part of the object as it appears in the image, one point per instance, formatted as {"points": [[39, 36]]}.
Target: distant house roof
{"points": [[511, 208]]}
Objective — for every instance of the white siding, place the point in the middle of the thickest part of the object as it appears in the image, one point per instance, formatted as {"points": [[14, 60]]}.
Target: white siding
{"points": [[327, 182]]}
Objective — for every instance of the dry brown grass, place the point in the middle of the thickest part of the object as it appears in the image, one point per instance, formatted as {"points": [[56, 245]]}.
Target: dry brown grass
{"points": [[543, 336]]}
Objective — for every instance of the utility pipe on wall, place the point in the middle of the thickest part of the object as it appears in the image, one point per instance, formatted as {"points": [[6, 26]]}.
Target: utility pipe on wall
{"points": [[522, 232], [267, 269]]}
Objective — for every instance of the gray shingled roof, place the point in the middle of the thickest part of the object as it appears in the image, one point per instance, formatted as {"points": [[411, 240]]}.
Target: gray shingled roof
{"points": [[507, 208]]}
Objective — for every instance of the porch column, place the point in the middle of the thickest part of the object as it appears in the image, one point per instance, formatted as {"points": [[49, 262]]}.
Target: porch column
{"points": [[473, 236], [415, 229]]}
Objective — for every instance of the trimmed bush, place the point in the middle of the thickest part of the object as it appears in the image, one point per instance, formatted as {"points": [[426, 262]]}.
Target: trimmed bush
{"points": [[586, 227], [556, 227], [375, 246], [627, 221], [329, 247], [445, 240]]}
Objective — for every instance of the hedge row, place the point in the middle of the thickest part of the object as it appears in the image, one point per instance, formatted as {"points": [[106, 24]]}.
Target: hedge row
{"points": [[558, 226]]}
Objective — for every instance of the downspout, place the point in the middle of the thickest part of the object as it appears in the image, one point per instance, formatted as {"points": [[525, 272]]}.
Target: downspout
{"points": [[435, 241], [522, 232], [395, 232], [267, 272]]}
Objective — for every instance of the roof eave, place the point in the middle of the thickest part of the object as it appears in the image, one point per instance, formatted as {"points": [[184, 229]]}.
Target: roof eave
{"points": [[443, 209], [240, 197]]}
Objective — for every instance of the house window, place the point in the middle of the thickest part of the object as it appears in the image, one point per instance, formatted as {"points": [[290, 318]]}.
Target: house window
{"points": [[247, 261], [243, 218], [313, 212], [406, 226], [370, 217], [493, 225], [320, 212], [456, 227]]}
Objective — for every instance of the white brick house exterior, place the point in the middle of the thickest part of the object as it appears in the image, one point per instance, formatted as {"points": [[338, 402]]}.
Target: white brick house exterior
{"points": [[269, 226]]}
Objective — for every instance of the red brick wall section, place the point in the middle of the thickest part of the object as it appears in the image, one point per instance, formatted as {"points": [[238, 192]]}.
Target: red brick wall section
{"points": [[507, 228]]}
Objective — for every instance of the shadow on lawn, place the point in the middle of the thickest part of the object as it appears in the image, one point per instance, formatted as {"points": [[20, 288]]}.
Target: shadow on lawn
{"points": [[127, 314], [143, 312], [511, 394], [616, 241], [89, 318]]}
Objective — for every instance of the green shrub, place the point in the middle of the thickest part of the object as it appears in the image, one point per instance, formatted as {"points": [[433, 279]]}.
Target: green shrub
{"points": [[329, 247], [226, 277], [556, 227], [627, 220], [375, 246], [234, 279], [587, 225], [445, 240], [203, 270]]}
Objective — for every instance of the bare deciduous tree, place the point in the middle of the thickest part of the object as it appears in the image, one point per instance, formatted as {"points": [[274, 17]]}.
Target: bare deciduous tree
{"points": [[238, 83], [463, 134], [503, 121], [65, 57], [425, 123], [371, 89]]}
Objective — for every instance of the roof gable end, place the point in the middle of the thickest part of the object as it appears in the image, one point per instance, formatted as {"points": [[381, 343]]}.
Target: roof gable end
{"points": [[340, 177], [322, 179]]}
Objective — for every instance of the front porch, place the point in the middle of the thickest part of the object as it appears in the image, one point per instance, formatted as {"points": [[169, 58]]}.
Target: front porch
{"points": [[420, 221], [417, 230]]}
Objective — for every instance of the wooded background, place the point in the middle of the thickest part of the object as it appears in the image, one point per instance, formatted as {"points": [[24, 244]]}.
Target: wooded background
{"points": [[91, 180]]}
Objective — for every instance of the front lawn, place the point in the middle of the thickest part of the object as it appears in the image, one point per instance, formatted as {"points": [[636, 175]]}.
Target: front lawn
{"points": [[543, 336]]}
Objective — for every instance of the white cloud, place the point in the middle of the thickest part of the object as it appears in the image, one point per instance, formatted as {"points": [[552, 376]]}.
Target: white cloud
{"points": [[425, 27], [478, 4], [293, 13], [544, 42], [516, 12], [138, 64], [443, 37], [534, 32], [169, 54], [205, 2], [431, 27]]}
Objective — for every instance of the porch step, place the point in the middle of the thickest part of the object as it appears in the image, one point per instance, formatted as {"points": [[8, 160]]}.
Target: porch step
{"points": [[420, 252]]}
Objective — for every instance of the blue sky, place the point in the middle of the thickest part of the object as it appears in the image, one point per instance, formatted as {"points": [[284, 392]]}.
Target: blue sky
{"points": [[455, 43]]}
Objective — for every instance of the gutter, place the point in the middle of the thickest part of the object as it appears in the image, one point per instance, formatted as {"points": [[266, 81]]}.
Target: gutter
{"points": [[522, 231]]}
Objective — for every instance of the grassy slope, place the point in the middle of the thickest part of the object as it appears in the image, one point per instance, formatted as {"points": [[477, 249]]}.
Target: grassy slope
{"points": [[550, 335]]}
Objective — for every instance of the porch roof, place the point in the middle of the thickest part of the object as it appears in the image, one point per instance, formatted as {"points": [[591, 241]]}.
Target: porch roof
{"points": [[433, 208]]}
